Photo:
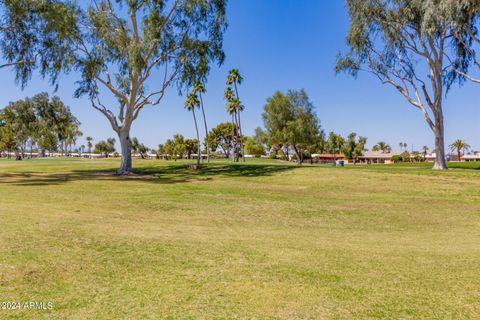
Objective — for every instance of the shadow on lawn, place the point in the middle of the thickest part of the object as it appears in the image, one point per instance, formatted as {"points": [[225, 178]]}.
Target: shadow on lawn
{"points": [[155, 174]]}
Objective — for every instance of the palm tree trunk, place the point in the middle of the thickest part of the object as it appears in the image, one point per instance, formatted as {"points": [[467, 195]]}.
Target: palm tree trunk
{"points": [[241, 136], [198, 137], [206, 128], [239, 124], [237, 137], [234, 147]]}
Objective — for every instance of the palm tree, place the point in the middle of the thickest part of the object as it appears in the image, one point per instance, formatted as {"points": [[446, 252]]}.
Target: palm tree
{"points": [[89, 145], [382, 146], [191, 103], [232, 107], [229, 95], [199, 88], [424, 152], [403, 146], [459, 145], [234, 78]]}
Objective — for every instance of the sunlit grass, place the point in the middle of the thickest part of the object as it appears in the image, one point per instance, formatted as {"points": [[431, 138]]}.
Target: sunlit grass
{"points": [[260, 240]]}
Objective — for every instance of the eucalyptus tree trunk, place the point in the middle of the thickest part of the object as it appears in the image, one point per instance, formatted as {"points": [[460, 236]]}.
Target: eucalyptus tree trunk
{"points": [[438, 131], [126, 150]]}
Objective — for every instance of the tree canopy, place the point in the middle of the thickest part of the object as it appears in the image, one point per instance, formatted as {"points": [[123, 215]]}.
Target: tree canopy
{"points": [[404, 44]]}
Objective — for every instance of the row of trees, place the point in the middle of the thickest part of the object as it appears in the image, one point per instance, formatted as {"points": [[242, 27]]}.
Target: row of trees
{"points": [[118, 48], [419, 47], [40, 123]]}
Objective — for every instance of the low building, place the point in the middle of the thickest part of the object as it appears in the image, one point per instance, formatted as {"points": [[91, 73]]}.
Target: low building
{"points": [[471, 157], [327, 157], [371, 157]]}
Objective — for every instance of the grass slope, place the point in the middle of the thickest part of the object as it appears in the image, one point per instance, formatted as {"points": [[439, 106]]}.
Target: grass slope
{"points": [[260, 240]]}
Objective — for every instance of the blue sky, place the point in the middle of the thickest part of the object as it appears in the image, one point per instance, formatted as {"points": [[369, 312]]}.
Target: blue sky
{"points": [[281, 45]]}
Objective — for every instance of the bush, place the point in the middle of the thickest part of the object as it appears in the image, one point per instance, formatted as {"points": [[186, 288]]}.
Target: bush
{"points": [[397, 158], [272, 155]]}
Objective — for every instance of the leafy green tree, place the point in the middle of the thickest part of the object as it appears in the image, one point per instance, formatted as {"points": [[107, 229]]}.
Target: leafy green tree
{"points": [[105, 147], [179, 145], [382, 147], [403, 43], [121, 48], [335, 144], [191, 147], [31, 37], [254, 148], [353, 147], [139, 148], [304, 129], [290, 122], [221, 137], [466, 17], [459, 146], [42, 121], [169, 149]]}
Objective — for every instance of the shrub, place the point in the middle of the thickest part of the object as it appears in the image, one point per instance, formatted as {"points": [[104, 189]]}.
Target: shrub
{"points": [[397, 158]]}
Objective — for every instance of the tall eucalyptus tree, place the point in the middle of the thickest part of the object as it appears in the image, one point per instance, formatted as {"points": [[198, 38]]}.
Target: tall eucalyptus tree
{"points": [[122, 48], [403, 43]]}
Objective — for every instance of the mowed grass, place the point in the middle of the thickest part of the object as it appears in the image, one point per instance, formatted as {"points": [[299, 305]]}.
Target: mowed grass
{"points": [[261, 240]]}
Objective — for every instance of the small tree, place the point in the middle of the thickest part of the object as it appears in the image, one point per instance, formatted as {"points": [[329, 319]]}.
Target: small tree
{"points": [[221, 137], [353, 147], [105, 147], [254, 148], [335, 144]]}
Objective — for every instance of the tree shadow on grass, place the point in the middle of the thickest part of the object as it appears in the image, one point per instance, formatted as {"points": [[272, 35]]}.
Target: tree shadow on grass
{"points": [[169, 174]]}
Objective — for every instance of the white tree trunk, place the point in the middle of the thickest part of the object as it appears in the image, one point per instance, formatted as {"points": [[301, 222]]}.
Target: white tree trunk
{"points": [[126, 146], [440, 163]]}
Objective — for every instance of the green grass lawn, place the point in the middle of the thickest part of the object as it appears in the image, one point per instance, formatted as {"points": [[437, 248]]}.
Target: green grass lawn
{"points": [[261, 240]]}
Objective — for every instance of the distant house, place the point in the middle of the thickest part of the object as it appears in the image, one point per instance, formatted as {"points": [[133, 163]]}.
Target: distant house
{"points": [[327, 157], [471, 157], [370, 157]]}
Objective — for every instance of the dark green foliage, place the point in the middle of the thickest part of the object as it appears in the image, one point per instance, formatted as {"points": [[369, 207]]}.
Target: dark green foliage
{"points": [[221, 137], [254, 148], [41, 121], [291, 122], [397, 158], [105, 147], [37, 34], [354, 147]]}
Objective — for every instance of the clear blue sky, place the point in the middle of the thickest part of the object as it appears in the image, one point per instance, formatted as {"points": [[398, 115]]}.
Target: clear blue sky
{"points": [[284, 44]]}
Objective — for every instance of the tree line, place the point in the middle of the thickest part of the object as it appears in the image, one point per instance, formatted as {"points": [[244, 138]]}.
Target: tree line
{"points": [[420, 48], [39, 123]]}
